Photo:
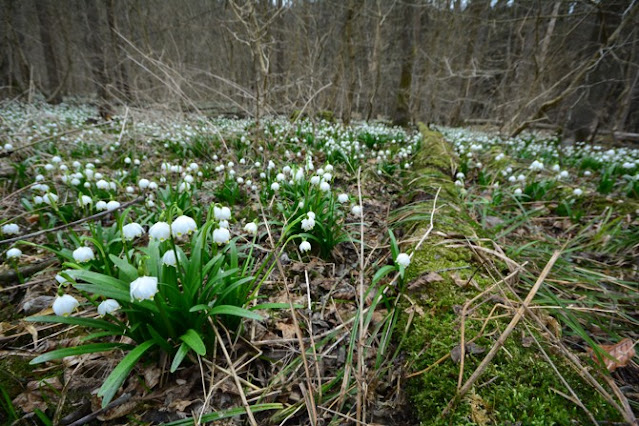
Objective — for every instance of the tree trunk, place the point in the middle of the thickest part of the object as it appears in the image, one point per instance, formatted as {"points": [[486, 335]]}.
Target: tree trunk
{"points": [[50, 59], [118, 50], [97, 59], [401, 116]]}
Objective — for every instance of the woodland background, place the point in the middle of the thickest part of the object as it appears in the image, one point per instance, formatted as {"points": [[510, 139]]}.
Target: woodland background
{"points": [[568, 65]]}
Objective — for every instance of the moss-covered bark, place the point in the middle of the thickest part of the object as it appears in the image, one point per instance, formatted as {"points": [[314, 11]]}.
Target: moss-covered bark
{"points": [[520, 386]]}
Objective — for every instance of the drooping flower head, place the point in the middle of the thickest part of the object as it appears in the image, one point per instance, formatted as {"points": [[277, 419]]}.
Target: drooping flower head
{"points": [[221, 236], [132, 230], [64, 305], [83, 254], [108, 307], [183, 225], [144, 288], [160, 231]]}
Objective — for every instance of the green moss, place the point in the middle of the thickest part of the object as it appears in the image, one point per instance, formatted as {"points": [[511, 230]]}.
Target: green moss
{"points": [[15, 371], [518, 384]]}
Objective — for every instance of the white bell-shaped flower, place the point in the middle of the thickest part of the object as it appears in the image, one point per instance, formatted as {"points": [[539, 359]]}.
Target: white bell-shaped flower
{"points": [[160, 231], [221, 213], [108, 307], [403, 260], [144, 288], [251, 228], [10, 229], [83, 254], [132, 231], [221, 236], [14, 253], [169, 258], [183, 225], [305, 246], [64, 305]]}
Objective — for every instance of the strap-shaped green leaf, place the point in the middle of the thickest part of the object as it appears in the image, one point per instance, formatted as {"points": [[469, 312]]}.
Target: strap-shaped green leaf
{"points": [[86, 322], [194, 341], [235, 311], [77, 350], [121, 371], [179, 357]]}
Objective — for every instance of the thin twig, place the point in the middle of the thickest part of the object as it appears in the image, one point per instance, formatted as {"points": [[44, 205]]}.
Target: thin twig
{"points": [[232, 369], [68, 225], [509, 329]]}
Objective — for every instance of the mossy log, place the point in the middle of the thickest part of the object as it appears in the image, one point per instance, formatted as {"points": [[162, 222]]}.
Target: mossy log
{"points": [[520, 386]]}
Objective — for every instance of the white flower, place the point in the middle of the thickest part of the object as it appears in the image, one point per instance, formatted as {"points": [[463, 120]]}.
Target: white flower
{"points": [[127, 160], [275, 186], [183, 225], [112, 205], [153, 186], [108, 307], [10, 229], [194, 166], [325, 186], [521, 178], [342, 198], [75, 181], [587, 173], [577, 192], [50, 198], [144, 288], [251, 228], [84, 201], [563, 174], [305, 246], [221, 236], [143, 183], [308, 224], [356, 210], [83, 254], [311, 215], [101, 205], [169, 258], [8, 147], [62, 280], [184, 186], [221, 213], [14, 253], [160, 231], [38, 199], [64, 305], [280, 177], [403, 260], [315, 180], [518, 192], [537, 166], [132, 231]]}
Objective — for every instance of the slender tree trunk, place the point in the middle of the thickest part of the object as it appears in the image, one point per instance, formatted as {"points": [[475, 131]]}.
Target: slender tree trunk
{"points": [[401, 116], [97, 59], [50, 58], [118, 50]]}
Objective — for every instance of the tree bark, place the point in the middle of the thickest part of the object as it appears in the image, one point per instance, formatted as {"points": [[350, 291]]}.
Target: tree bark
{"points": [[51, 61]]}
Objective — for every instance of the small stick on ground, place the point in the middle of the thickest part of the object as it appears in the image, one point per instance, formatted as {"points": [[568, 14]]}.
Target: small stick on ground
{"points": [[500, 342], [68, 225], [237, 380]]}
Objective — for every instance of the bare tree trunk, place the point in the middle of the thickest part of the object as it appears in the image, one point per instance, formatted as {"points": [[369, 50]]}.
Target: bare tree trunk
{"points": [[118, 50], [401, 117], [97, 60], [50, 59]]}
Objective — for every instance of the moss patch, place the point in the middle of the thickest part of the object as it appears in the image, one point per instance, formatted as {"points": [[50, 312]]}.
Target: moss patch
{"points": [[519, 386]]}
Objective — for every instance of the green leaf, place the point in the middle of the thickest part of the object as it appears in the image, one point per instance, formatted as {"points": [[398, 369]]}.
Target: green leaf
{"points": [[179, 357], [276, 306], [100, 280], [76, 350], [232, 412], [128, 272], [121, 371], [194, 341], [382, 272], [235, 311], [393, 244], [85, 322]]}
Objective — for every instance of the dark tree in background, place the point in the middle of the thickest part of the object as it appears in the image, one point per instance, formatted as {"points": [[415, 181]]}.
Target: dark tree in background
{"points": [[571, 64]]}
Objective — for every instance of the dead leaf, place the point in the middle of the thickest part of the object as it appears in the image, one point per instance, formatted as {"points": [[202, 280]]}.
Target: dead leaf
{"points": [[29, 401], [119, 411], [179, 405], [414, 309], [288, 330], [459, 280], [48, 383], [478, 411], [471, 349], [622, 353], [431, 277], [152, 376]]}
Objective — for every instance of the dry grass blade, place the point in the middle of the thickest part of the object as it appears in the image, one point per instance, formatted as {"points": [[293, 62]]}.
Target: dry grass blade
{"points": [[511, 326]]}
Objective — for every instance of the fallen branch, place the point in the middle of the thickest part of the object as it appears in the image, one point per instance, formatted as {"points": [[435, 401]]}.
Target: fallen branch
{"points": [[11, 275], [68, 225], [502, 339]]}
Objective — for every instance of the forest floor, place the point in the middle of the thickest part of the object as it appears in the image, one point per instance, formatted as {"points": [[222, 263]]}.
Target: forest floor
{"points": [[311, 273]]}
